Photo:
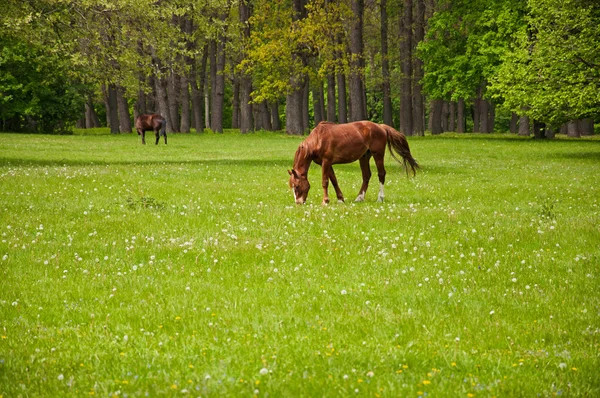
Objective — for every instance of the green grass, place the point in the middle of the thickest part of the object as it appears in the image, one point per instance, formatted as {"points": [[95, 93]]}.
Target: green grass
{"points": [[128, 270]]}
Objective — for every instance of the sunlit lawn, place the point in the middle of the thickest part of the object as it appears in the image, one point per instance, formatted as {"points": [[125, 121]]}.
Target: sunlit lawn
{"points": [[135, 270]]}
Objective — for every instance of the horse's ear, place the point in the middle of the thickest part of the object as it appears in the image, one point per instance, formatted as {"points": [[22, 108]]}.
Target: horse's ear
{"points": [[294, 173], [290, 172]]}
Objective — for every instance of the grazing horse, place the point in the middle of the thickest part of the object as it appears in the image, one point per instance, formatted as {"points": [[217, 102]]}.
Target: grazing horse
{"points": [[331, 143], [154, 122]]}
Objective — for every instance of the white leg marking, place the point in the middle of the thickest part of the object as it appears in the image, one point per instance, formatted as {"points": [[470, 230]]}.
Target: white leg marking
{"points": [[381, 195], [360, 197]]}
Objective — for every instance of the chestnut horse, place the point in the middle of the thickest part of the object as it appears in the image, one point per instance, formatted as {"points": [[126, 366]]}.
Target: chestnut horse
{"points": [[154, 122], [331, 143]]}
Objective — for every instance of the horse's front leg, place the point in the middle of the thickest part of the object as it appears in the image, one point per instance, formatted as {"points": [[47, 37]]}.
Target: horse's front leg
{"points": [[157, 134], [326, 167], [366, 175], [334, 181], [143, 133]]}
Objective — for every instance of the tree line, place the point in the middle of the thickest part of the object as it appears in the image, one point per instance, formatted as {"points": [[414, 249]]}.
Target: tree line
{"points": [[528, 66]]}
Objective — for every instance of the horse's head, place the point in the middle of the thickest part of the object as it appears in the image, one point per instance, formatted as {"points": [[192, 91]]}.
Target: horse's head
{"points": [[300, 186]]}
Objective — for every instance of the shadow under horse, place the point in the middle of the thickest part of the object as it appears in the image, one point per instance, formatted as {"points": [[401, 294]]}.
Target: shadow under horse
{"points": [[331, 143], [151, 122]]}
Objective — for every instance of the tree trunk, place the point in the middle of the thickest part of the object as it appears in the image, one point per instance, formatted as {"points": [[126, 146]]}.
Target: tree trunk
{"points": [[342, 104], [418, 98], [406, 98], [305, 95], [436, 116], [460, 117], [197, 99], [549, 132], [524, 126], [293, 108], [445, 114], [216, 114], [331, 113], [112, 109], [491, 117], [385, 67], [91, 118], [318, 108], [275, 121], [514, 123], [186, 116], [235, 104], [573, 129], [484, 119], [173, 92], [477, 112], [586, 126], [357, 91], [452, 116], [123, 111]]}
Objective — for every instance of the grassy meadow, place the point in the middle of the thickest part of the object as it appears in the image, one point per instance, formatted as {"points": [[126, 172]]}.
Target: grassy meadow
{"points": [[130, 270]]}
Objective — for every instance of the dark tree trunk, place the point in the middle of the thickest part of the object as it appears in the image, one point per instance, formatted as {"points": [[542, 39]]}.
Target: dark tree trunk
{"points": [[139, 108], [80, 123], [186, 116], [514, 123], [436, 116], [586, 126], [173, 92], [246, 121], [573, 129], [91, 118], [484, 117], [123, 111], [385, 66], [452, 116], [418, 99], [477, 111], [460, 117], [430, 118], [524, 125], [357, 92], [318, 108], [112, 109], [342, 104], [491, 117], [549, 132], [275, 121], [406, 98], [305, 116], [445, 114], [197, 99], [564, 129], [216, 113], [235, 104], [294, 123], [331, 114]]}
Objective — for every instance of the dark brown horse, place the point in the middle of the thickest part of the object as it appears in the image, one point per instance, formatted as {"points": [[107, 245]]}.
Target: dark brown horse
{"points": [[330, 144], [154, 122]]}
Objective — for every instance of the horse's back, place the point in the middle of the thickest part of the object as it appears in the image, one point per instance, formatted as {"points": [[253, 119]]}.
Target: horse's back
{"points": [[150, 121]]}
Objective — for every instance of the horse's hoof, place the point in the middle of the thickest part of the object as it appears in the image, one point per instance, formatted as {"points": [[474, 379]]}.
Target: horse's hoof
{"points": [[325, 202], [341, 201]]}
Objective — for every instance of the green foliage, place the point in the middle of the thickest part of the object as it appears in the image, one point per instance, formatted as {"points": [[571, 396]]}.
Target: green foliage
{"points": [[36, 93], [553, 68], [465, 43]]}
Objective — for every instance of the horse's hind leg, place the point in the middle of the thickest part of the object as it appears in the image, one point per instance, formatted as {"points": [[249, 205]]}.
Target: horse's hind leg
{"points": [[381, 175], [156, 133], [143, 134], [333, 179], [366, 175]]}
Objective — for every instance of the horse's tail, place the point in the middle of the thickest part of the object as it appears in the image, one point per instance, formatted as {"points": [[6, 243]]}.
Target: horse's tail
{"points": [[397, 143]]}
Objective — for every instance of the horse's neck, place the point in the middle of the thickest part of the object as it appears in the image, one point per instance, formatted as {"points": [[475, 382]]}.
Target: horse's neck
{"points": [[302, 165]]}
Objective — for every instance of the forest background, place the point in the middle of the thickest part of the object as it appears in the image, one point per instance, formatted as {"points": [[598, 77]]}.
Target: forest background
{"points": [[529, 67]]}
